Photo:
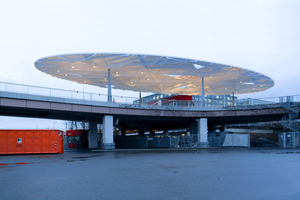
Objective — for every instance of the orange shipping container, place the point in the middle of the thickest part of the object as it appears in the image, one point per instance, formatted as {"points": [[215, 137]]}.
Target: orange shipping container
{"points": [[31, 141]]}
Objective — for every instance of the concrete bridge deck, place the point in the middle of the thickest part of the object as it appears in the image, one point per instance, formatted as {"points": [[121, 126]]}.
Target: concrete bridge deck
{"points": [[130, 115]]}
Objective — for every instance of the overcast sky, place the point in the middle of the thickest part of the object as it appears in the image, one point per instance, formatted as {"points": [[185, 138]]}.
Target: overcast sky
{"points": [[259, 35]]}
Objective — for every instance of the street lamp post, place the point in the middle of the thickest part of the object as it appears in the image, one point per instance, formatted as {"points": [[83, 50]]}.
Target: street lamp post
{"points": [[54, 124]]}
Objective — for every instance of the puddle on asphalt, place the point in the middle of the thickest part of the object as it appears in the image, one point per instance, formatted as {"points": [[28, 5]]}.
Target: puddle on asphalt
{"points": [[207, 152], [83, 158], [46, 156], [79, 157], [289, 152], [281, 152], [22, 163]]}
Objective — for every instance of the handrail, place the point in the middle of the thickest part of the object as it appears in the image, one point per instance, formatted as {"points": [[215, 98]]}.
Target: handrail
{"points": [[98, 97], [63, 90]]}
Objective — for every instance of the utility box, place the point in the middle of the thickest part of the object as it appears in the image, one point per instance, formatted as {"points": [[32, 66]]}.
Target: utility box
{"points": [[31, 141]]}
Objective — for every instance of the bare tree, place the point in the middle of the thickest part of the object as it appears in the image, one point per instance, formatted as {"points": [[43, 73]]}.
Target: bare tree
{"points": [[74, 125]]}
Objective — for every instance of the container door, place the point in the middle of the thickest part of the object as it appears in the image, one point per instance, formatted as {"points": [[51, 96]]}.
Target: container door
{"points": [[28, 142], [36, 142]]}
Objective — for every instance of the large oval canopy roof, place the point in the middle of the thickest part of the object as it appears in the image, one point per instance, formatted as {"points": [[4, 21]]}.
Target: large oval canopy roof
{"points": [[150, 73]]}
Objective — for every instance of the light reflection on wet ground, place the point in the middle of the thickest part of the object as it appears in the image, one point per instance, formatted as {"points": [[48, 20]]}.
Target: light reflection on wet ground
{"points": [[218, 173]]}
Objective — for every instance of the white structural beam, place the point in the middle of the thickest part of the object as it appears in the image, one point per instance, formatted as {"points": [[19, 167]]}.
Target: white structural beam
{"points": [[203, 94], [108, 136], [202, 133], [109, 97]]}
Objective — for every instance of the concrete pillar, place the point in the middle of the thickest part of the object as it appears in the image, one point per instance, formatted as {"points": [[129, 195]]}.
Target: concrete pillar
{"points": [[141, 130], [93, 142], [165, 132], [222, 128], [193, 128], [152, 132], [108, 132], [202, 133]]}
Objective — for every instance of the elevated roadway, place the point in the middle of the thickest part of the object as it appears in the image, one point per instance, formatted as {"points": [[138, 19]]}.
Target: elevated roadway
{"points": [[130, 115], [134, 116]]}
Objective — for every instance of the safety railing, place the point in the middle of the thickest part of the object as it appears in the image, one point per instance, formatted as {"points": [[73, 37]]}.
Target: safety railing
{"points": [[60, 93], [93, 98]]}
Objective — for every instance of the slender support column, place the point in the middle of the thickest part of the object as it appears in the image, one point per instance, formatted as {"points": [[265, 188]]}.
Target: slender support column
{"points": [[202, 133], [93, 135], [193, 128], [109, 97], [141, 130], [140, 97], [233, 99], [152, 132], [165, 132], [203, 93], [222, 128], [108, 135]]}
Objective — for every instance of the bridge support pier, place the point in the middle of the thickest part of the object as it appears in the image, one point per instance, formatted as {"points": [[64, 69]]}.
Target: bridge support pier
{"points": [[93, 134], [141, 131], [108, 132], [152, 133], [202, 133], [193, 128]]}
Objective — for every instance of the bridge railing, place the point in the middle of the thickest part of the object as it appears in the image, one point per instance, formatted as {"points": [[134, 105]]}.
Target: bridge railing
{"points": [[94, 98], [60, 93]]}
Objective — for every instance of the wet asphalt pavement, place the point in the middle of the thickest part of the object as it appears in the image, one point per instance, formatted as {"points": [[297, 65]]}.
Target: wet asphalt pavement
{"points": [[231, 173]]}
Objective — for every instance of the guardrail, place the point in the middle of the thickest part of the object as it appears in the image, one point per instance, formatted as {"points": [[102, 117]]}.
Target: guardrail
{"points": [[68, 94], [88, 97]]}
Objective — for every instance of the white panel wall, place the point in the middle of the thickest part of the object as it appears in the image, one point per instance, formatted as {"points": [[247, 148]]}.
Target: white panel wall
{"points": [[237, 140], [107, 122]]}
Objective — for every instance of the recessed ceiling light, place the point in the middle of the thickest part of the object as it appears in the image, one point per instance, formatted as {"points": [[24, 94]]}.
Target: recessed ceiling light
{"points": [[117, 72], [225, 88], [94, 66], [241, 81], [57, 70], [66, 74], [72, 67]]}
